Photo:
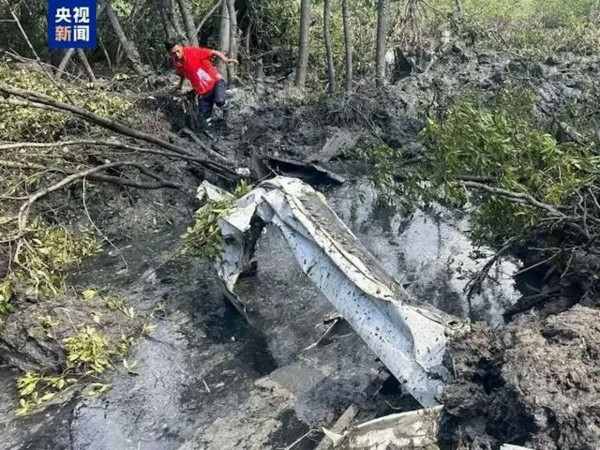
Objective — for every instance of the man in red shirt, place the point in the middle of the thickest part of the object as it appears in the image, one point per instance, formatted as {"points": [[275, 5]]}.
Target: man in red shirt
{"points": [[194, 64]]}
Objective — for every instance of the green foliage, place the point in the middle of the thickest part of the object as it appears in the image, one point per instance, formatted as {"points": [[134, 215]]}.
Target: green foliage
{"points": [[114, 303], [537, 28], [47, 324], [88, 351], [47, 252], [204, 239], [385, 164], [89, 354], [38, 124], [5, 295], [501, 146], [498, 145], [36, 389]]}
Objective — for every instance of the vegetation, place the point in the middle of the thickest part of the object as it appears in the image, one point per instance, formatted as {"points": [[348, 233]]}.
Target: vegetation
{"points": [[204, 239], [521, 184], [60, 112], [39, 124], [89, 353]]}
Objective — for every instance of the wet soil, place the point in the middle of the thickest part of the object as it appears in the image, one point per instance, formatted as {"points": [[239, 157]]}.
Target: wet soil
{"points": [[534, 383], [208, 379]]}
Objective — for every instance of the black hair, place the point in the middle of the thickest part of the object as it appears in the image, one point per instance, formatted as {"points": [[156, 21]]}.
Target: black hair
{"points": [[170, 43]]}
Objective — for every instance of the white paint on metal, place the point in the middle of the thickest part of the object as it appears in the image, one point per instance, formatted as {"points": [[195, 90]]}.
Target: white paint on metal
{"points": [[408, 336]]}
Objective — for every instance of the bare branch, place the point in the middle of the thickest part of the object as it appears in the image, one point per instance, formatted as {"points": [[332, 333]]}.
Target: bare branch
{"points": [[208, 16], [514, 195]]}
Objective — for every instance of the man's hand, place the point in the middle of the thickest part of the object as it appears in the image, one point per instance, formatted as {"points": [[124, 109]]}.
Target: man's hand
{"points": [[177, 89]]}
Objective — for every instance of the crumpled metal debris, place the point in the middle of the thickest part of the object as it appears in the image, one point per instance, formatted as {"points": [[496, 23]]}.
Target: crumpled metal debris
{"points": [[408, 336], [413, 429]]}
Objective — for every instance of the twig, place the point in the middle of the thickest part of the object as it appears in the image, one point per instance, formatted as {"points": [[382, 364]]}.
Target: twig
{"points": [[208, 15], [161, 183], [300, 439], [100, 142], [542, 262], [474, 285], [514, 195]]}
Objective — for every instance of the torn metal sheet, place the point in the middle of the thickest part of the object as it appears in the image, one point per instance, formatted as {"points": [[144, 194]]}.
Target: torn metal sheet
{"points": [[413, 429], [408, 336]]}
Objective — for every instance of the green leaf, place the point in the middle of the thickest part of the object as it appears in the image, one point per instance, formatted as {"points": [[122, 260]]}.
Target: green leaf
{"points": [[89, 294]]}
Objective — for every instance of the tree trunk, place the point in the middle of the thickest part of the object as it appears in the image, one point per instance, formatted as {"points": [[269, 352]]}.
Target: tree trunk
{"points": [[328, 47], [71, 51], [86, 65], [381, 42], [414, 21], [170, 18], [63, 63], [164, 8], [248, 37], [128, 47], [106, 55], [347, 45], [224, 34], [302, 63], [233, 39], [175, 18], [187, 12]]}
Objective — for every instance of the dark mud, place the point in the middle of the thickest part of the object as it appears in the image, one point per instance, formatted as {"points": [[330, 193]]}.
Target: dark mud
{"points": [[535, 383], [206, 379]]}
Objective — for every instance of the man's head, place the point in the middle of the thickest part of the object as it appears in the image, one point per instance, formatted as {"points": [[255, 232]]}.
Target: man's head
{"points": [[175, 49]]}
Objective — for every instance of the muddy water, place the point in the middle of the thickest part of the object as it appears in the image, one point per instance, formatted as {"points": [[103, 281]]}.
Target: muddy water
{"points": [[208, 379]]}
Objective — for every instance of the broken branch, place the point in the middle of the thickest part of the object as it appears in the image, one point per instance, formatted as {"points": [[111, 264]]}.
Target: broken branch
{"points": [[46, 102]]}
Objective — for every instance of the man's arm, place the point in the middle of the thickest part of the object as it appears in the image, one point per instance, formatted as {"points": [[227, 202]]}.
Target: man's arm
{"points": [[180, 85], [223, 58]]}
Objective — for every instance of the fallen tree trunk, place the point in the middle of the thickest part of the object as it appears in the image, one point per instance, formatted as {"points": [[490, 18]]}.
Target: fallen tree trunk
{"points": [[44, 101]]}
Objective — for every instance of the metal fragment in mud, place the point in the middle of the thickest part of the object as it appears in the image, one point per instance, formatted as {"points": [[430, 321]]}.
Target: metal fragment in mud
{"points": [[413, 429], [407, 335]]}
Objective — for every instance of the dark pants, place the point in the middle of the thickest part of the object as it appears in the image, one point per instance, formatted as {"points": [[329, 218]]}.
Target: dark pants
{"points": [[214, 97]]}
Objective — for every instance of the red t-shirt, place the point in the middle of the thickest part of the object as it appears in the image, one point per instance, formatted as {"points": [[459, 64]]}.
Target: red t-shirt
{"points": [[197, 67]]}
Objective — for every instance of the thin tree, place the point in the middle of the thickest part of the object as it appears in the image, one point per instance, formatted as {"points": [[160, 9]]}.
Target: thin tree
{"points": [[128, 46], [302, 63], [86, 65], [224, 34], [233, 39], [208, 15], [381, 42], [347, 45], [187, 12], [70, 52], [328, 47]]}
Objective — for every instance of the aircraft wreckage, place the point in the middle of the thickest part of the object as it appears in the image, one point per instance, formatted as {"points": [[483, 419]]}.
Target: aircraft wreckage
{"points": [[407, 335]]}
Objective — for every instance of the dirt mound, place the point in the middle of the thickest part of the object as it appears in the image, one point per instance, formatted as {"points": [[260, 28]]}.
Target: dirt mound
{"points": [[533, 384]]}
